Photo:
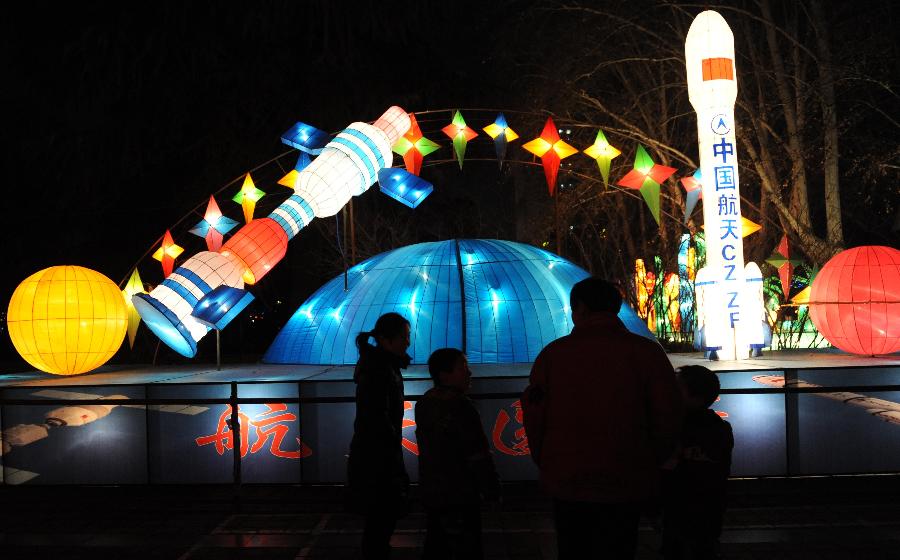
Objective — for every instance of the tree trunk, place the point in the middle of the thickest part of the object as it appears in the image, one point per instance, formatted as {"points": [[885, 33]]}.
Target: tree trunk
{"points": [[835, 231]]}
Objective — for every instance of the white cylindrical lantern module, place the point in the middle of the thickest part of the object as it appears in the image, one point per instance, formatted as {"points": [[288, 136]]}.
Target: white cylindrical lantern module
{"points": [[167, 309], [349, 164], [712, 88]]}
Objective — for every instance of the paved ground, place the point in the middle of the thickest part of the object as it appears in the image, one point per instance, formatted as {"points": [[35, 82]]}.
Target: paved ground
{"points": [[833, 518]]}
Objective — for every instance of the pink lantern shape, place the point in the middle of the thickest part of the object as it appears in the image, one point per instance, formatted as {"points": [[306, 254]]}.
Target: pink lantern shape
{"points": [[855, 300]]}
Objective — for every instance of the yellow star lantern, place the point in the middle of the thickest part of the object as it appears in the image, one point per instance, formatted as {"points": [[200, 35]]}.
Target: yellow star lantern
{"points": [[134, 286], [247, 197], [290, 180], [551, 150], [747, 227], [167, 253], [603, 153]]}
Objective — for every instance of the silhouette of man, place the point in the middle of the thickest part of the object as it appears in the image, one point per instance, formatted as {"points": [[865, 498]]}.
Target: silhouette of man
{"points": [[602, 413]]}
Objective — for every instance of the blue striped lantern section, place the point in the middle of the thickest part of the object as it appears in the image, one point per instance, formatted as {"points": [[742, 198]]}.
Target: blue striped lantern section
{"points": [[499, 301], [167, 309], [349, 164], [293, 215]]}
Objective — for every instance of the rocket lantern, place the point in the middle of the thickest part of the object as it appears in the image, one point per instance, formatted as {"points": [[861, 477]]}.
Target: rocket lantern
{"points": [[712, 89]]}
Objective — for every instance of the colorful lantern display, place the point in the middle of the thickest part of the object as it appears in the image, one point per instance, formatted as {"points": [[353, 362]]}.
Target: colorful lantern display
{"points": [[413, 147], [247, 197], [693, 192], [855, 300], [167, 253], [133, 286], [213, 226], [67, 320], [460, 133], [502, 134], [551, 150], [646, 177], [603, 153], [346, 166]]}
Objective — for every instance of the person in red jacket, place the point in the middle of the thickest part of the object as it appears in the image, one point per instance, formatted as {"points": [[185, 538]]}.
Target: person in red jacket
{"points": [[602, 412]]}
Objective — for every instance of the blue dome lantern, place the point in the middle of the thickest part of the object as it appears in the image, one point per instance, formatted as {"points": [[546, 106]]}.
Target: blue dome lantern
{"points": [[499, 301]]}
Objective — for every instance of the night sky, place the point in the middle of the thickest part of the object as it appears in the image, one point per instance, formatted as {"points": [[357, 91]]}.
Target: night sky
{"points": [[120, 119]]}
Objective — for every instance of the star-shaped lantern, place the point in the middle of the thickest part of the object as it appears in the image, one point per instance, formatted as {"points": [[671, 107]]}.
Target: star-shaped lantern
{"points": [[247, 197], [460, 134], [551, 150], [167, 253], [603, 153], [290, 180], [693, 192], [502, 134], [134, 286], [748, 227], [213, 226], [781, 259], [646, 177], [413, 147]]}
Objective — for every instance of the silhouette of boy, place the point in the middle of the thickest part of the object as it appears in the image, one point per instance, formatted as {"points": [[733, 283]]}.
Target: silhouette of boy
{"points": [[694, 480], [456, 469]]}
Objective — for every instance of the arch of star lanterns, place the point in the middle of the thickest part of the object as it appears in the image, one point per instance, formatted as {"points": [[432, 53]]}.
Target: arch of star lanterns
{"points": [[208, 291]]}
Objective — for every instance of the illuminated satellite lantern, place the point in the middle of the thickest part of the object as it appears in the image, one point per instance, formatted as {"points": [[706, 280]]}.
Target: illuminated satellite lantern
{"points": [[346, 166], [306, 138], [221, 305], [404, 187]]}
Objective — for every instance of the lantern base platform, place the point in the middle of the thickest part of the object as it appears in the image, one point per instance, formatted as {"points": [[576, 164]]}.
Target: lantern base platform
{"points": [[171, 424]]}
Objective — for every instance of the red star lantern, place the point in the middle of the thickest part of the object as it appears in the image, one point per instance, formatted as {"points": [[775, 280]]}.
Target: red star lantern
{"points": [[552, 151], [413, 147]]}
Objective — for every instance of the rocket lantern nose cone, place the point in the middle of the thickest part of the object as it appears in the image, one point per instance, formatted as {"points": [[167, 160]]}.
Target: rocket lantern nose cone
{"points": [[709, 56]]}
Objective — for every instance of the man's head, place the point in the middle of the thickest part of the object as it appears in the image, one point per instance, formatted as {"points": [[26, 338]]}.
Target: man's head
{"points": [[450, 368], [591, 296], [699, 386]]}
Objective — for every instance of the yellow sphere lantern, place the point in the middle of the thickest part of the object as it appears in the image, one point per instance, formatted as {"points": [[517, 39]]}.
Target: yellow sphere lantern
{"points": [[67, 320]]}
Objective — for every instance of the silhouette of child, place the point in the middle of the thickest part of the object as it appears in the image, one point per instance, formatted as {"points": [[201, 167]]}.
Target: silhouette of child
{"points": [[456, 469], [694, 480]]}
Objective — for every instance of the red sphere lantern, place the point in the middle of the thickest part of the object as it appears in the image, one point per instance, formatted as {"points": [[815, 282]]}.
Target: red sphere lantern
{"points": [[855, 300]]}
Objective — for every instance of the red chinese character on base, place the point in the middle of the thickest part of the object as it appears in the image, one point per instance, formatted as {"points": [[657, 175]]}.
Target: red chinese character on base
{"points": [[410, 445], [266, 425], [519, 443]]}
